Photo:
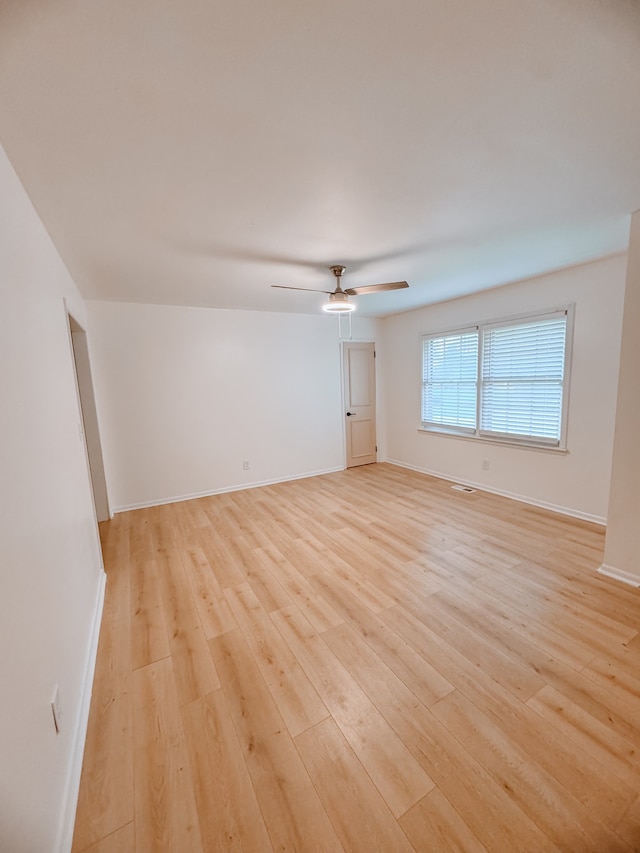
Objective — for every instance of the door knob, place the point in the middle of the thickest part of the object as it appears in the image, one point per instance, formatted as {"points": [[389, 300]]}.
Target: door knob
{"points": [[350, 414]]}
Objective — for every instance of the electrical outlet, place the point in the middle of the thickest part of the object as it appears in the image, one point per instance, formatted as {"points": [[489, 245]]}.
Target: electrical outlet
{"points": [[485, 464], [245, 465], [56, 709]]}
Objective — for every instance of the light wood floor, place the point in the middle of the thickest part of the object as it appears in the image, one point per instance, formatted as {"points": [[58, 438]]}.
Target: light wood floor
{"points": [[364, 661]]}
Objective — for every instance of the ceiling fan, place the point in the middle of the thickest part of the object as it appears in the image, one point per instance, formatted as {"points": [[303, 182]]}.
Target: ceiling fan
{"points": [[339, 299]]}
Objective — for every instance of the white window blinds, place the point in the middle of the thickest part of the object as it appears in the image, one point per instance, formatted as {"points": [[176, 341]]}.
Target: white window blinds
{"points": [[504, 380], [449, 380], [522, 379]]}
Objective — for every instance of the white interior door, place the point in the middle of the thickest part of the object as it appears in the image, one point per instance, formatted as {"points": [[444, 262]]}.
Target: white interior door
{"points": [[359, 381]]}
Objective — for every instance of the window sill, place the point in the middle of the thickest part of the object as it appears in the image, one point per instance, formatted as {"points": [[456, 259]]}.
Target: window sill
{"points": [[523, 445]]}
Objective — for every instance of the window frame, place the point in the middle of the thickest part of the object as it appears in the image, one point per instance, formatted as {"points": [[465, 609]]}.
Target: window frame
{"points": [[505, 438]]}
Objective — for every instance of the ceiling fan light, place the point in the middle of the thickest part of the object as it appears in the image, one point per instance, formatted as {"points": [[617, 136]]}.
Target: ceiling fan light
{"points": [[333, 308], [338, 304]]}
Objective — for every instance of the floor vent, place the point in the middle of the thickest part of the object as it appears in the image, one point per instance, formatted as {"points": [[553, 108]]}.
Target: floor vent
{"points": [[466, 489]]}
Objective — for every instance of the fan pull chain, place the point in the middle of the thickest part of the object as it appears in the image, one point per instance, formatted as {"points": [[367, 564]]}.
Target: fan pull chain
{"points": [[340, 338]]}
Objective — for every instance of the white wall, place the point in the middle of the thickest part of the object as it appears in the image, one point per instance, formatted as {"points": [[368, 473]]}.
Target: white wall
{"points": [[576, 482], [622, 551], [185, 395], [50, 565]]}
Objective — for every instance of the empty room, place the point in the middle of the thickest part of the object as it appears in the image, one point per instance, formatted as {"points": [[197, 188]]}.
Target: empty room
{"points": [[320, 483]]}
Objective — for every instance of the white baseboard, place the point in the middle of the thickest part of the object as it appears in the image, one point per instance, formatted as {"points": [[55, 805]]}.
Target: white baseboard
{"points": [[72, 787], [225, 490], [619, 575], [562, 510]]}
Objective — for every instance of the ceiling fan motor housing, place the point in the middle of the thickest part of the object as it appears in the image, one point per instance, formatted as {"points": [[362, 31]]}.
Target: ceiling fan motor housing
{"points": [[338, 301]]}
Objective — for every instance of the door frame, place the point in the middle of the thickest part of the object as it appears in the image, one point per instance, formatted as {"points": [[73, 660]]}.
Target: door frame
{"points": [[88, 429]]}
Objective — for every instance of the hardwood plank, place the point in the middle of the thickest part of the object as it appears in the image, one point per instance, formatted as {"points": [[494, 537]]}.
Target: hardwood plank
{"points": [[481, 802], [300, 549], [419, 676], [180, 520], [435, 822], [105, 800], [399, 582], [163, 530], [592, 784], [271, 593], [295, 696], [547, 612], [284, 533], [301, 592], [356, 582], [213, 608], [196, 513], [629, 827], [625, 658], [570, 569], [140, 536], [487, 556], [149, 640], [586, 604], [294, 816], [222, 561], [561, 817], [608, 673], [594, 698], [116, 560], [120, 841], [242, 515], [395, 772], [552, 640], [384, 538], [503, 668], [589, 734], [166, 816], [634, 646], [228, 811], [194, 670], [358, 813]]}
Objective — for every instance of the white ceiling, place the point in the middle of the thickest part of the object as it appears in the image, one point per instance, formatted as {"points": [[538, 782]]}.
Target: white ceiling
{"points": [[191, 152]]}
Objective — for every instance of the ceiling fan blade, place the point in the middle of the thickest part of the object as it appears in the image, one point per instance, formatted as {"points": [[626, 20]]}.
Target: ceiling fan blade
{"points": [[307, 289], [376, 288]]}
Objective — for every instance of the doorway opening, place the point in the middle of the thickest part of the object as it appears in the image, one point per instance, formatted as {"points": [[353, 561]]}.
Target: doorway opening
{"points": [[90, 433]]}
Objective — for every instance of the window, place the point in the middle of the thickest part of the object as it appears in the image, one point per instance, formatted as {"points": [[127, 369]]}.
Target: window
{"points": [[504, 380], [449, 380]]}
